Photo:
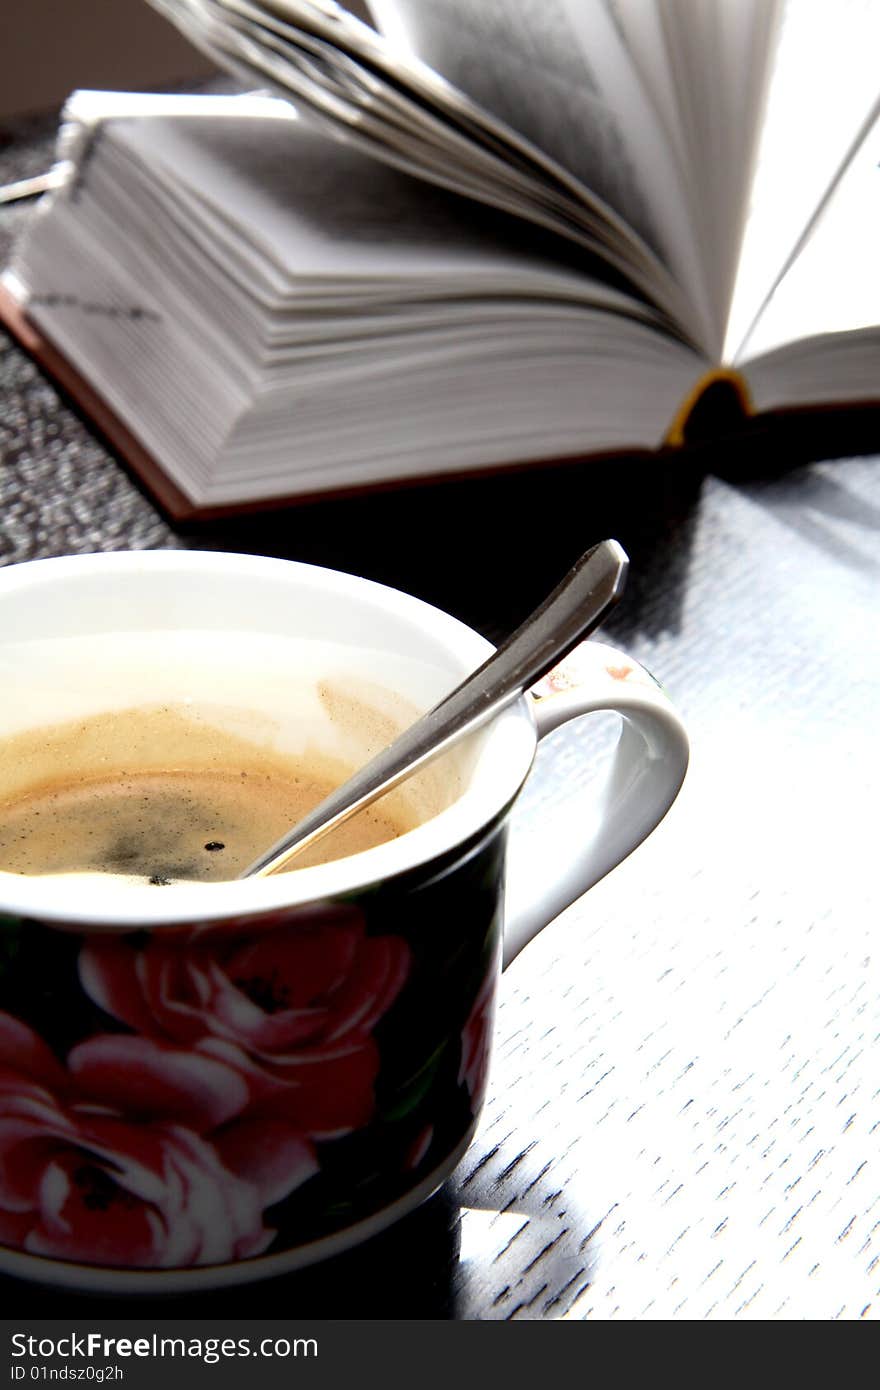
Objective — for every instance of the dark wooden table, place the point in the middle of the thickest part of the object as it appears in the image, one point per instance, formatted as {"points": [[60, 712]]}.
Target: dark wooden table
{"points": [[684, 1119]]}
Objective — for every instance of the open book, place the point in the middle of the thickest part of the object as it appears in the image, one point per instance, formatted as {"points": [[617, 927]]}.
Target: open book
{"points": [[480, 235]]}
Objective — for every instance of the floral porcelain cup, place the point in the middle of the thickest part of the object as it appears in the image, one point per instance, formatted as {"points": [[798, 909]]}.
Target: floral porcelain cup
{"points": [[211, 1083]]}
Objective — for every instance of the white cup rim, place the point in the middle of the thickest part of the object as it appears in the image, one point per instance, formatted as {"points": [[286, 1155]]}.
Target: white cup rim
{"points": [[504, 755]]}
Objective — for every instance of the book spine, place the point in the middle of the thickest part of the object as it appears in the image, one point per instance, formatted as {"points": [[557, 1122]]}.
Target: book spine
{"points": [[677, 433]]}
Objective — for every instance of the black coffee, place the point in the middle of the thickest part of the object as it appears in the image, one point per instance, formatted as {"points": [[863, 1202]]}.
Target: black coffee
{"points": [[172, 826], [87, 797]]}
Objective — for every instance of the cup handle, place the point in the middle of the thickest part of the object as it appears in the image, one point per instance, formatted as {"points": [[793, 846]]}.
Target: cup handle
{"points": [[647, 769]]}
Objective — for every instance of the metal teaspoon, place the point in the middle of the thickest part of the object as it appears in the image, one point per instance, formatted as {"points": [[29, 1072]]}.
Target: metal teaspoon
{"points": [[573, 609]]}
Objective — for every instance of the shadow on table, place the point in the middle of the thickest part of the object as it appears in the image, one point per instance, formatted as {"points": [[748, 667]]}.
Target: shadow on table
{"points": [[782, 444], [478, 1248], [405, 1272], [489, 549], [835, 512]]}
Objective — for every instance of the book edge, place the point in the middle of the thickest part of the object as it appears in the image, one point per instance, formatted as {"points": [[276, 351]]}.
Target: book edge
{"points": [[177, 505], [180, 508], [92, 406]]}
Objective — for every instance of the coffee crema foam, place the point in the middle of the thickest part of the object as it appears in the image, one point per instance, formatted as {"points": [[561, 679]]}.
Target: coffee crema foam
{"points": [[87, 796]]}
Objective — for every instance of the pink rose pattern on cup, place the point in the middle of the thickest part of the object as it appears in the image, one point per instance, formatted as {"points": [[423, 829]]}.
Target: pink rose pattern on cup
{"points": [[84, 1181], [287, 1014], [234, 1063]]}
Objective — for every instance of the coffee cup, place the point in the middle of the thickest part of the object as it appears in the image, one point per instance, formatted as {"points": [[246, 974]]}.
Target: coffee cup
{"points": [[205, 1079]]}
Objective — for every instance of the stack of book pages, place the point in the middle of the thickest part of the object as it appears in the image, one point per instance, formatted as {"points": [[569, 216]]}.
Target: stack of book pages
{"points": [[471, 237]]}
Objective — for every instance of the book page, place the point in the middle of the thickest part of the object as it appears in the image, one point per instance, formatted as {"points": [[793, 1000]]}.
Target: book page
{"points": [[833, 287], [251, 358], [825, 85], [316, 208], [348, 79], [287, 205], [720, 55], [642, 29], [560, 74]]}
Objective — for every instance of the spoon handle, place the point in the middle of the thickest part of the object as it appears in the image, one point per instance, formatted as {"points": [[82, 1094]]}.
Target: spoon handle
{"points": [[574, 608]]}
